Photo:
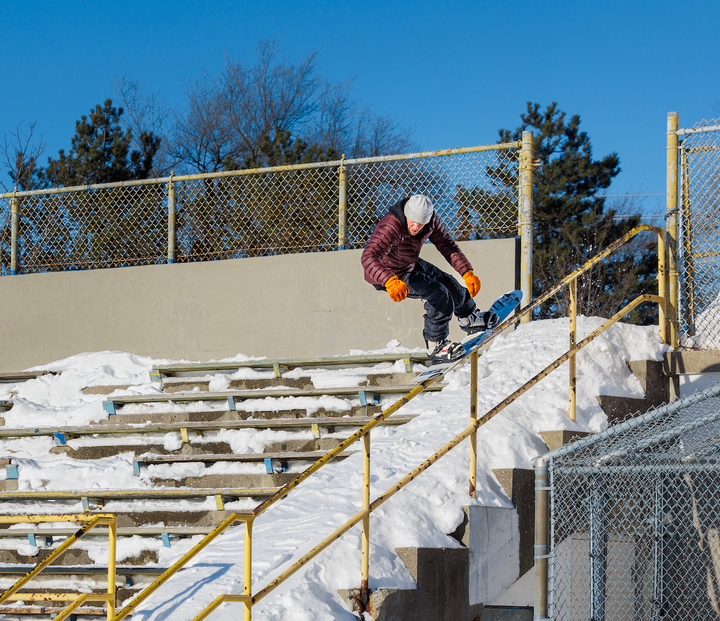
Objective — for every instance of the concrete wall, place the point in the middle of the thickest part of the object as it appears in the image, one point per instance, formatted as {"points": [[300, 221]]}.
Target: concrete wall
{"points": [[301, 305]]}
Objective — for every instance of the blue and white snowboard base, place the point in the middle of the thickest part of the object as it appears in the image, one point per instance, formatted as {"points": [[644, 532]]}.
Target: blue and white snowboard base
{"points": [[503, 307]]}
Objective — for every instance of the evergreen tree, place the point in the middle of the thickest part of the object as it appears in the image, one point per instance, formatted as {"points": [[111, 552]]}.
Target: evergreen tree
{"points": [[100, 151], [572, 222]]}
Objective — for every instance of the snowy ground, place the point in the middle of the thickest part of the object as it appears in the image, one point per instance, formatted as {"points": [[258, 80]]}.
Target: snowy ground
{"points": [[420, 515]]}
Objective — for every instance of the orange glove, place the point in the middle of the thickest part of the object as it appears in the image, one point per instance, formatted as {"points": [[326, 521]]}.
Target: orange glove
{"points": [[472, 282], [397, 289]]}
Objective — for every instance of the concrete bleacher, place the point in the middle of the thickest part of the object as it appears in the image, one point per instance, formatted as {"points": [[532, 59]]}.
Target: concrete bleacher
{"points": [[173, 508]]}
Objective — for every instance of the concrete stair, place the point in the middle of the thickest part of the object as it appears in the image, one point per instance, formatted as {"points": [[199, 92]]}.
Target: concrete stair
{"points": [[175, 507]]}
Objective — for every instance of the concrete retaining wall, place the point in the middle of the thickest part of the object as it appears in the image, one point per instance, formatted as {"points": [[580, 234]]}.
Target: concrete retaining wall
{"points": [[301, 305]]}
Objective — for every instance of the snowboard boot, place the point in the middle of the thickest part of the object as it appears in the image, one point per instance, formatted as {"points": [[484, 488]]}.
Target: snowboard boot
{"points": [[444, 351], [478, 321]]}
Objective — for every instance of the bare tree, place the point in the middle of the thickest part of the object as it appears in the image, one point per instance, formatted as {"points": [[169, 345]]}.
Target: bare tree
{"points": [[21, 154], [200, 139], [145, 113], [226, 120]]}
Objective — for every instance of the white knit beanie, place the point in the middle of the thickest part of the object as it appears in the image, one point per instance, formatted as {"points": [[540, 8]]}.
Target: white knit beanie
{"points": [[419, 209]]}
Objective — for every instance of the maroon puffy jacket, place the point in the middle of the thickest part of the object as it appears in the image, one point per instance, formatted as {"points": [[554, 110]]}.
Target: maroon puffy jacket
{"points": [[392, 251]]}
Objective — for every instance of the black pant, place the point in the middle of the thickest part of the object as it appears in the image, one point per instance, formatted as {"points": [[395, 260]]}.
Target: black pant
{"points": [[443, 295]]}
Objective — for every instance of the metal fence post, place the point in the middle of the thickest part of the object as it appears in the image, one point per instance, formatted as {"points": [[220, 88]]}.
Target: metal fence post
{"points": [[247, 569], [542, 527], [525, 219], [171, 219], [598, 548], [572, 406], [14, 227], [473, 421], [342, 206], [671, 241], [365, 555]]}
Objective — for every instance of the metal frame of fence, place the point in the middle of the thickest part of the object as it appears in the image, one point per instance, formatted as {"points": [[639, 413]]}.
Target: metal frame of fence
{"points": [[693, 224], [627, 520], [478, 192]]}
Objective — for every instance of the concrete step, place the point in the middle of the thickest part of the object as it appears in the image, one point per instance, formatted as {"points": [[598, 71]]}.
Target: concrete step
{"points": [[247, 480], [507, 613], [235, 415], [183, 384], [22, 376], [160, 518], [196, 446], [281, 364], [691, 370], [59, 499], [442, 593], [72, 557], [109, 435], [233, 397]]}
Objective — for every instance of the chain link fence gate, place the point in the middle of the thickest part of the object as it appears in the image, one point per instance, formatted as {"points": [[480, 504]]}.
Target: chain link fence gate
{"points": [[260, 212], [698, 237], [634, 518]]}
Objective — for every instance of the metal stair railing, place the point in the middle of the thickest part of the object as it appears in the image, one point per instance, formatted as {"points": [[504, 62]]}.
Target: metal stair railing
{"points": [[248, 517], [92, 521]]}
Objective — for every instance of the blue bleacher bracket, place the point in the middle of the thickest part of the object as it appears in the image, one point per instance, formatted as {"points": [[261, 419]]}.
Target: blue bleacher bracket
{"points": [[368, 398], [136, 468], [231, 403], [11, 471], [165, 539], [59, 438], [109, 407], [40, 541], [275, 466]]}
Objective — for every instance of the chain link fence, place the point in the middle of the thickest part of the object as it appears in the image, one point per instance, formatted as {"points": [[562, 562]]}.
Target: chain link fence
{"points": [[699, 241], [249, 213], [635, 518]]}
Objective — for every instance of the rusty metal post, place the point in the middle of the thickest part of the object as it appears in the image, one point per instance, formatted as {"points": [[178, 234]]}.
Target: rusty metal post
{"points": [[572, 363], [171, 219], [541, 539], [671, 240], [14, 228], [247, 569], [365, 556], [662, 289], [473, 421], [525, 220], [112, 569], [342, 207]]}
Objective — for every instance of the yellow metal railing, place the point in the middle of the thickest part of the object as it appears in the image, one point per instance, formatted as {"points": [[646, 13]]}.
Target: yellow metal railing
{"points": [[108, 520], [249, 599]]}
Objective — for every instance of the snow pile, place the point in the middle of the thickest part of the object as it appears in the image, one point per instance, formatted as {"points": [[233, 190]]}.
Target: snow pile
{"points": [[420, 515]]}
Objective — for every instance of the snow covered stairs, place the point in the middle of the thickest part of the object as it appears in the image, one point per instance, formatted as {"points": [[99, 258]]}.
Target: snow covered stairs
{"points": [[283, 416]]}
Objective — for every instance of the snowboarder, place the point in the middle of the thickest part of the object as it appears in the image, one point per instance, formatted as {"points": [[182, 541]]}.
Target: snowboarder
{"points": [[391, 261]]}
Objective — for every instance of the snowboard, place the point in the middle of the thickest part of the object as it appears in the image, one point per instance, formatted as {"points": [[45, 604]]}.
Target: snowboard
{"points": [[503, 307]]}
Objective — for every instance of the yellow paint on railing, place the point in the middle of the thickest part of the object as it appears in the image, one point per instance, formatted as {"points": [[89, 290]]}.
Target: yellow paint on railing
{"points": [[91, 522], [248, 599]]}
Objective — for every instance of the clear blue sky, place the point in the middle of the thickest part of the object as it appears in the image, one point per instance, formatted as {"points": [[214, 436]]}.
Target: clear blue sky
{"points": [[454, 72]]}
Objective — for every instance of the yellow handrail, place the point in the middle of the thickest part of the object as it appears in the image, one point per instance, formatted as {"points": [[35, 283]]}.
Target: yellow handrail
{"points": [[363, 516], [106, 519]]}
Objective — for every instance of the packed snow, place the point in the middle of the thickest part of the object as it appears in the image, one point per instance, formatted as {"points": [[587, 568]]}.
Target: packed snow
{"points": [[422, 514]]}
